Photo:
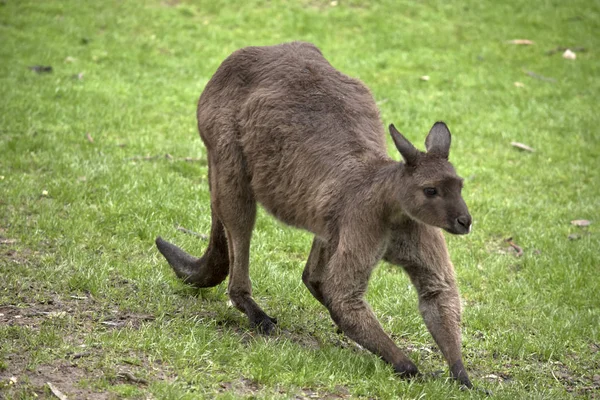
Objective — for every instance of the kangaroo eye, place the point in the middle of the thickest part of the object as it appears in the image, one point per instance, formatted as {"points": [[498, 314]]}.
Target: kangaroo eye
{"points": [[430, 192]]}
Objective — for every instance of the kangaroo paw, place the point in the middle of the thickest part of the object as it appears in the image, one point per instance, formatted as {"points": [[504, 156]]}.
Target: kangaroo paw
{"points": [[406, 370], [459, 373], [264, 324]]}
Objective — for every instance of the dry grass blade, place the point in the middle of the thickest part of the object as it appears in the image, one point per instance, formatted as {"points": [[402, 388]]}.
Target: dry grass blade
{"points": [[581, 222], [189, 232], [56, 392], [522, 146], [521, 41]]}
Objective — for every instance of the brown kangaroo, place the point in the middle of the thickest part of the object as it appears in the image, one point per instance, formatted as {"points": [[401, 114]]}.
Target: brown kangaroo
{"points": [[285, 129]]}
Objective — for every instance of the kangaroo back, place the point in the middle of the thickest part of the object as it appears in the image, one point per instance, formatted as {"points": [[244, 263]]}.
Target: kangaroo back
{"points": [[305, 130]]}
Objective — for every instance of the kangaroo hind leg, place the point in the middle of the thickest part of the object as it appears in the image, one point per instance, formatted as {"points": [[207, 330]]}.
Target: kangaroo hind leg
{"points": [[234, 199], [315, 268]]}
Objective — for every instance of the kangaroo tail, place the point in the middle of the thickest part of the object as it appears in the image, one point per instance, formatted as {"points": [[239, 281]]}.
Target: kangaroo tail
{"points": [[207, 271]]}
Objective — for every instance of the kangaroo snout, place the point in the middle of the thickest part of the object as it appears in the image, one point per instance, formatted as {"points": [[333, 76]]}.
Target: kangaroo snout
{"points": [[463, 224]]}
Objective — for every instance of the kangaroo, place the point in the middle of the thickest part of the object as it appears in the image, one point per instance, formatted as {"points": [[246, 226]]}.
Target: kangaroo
{"points": [[283, 128]]}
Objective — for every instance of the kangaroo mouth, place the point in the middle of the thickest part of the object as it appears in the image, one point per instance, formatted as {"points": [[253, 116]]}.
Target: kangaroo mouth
{"points": [[459, 229]]}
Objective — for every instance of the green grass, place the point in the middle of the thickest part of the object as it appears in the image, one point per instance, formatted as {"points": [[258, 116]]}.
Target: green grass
{"points": [[85, 297]]}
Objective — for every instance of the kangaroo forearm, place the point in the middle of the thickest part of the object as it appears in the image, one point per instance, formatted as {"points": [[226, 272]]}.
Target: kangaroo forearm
{"points": [[358, 322]]}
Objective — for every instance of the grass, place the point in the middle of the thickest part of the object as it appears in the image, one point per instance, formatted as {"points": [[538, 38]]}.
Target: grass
{"points": [[87, 303]]}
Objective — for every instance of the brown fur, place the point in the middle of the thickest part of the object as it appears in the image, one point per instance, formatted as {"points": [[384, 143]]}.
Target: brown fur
{"points": [[285, 129]]}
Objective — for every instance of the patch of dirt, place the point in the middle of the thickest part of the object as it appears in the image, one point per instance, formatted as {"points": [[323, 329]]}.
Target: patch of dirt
{"points": [[588, 386], [22, 379], [340, 392], [241, 387], [85, 310], [304, 339]]}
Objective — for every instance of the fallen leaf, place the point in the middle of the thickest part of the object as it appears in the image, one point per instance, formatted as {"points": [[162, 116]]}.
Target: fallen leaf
{"points": [[56, 392], [574, 236], [522, 146], [521, 41], [8, 241], [56, 314], [424, 78], [569, 55], [89, 137], [70, 59], [581, 222], [519, 84]]}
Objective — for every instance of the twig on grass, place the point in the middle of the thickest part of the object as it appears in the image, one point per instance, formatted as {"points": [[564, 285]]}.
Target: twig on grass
{"points": [[540, 77], [518, 249], [41, 68], [166, 155], [81, 355], [191, 159], [561, 49], [184, 230], [148, 158], [128, 376]]}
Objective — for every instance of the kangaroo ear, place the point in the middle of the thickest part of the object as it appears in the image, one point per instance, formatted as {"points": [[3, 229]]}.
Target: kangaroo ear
{"points": [[438, 140], [406, 149]]}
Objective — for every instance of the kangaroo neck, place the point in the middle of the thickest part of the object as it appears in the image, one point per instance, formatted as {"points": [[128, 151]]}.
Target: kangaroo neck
{"points": [[388, 185]]}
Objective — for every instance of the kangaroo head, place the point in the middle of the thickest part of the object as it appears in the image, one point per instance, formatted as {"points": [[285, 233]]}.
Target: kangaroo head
{"points": [[431, 190]]}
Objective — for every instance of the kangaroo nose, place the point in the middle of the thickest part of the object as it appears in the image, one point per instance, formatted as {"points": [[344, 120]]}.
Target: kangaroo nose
{"points": [[465, 221]]}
